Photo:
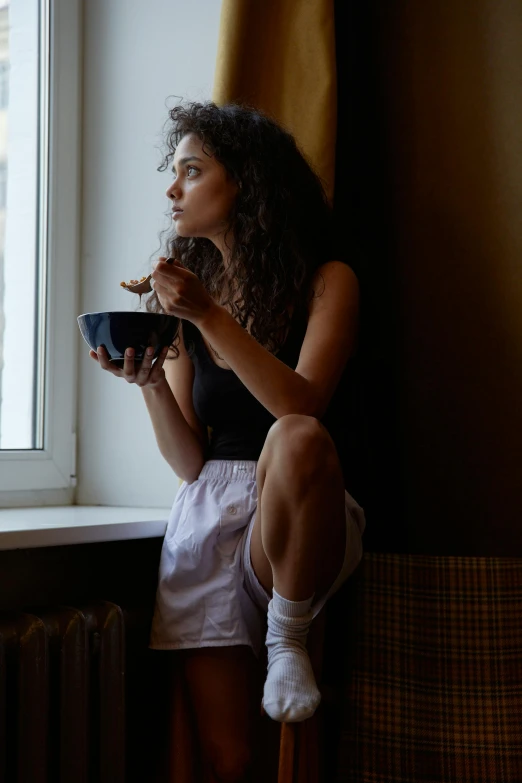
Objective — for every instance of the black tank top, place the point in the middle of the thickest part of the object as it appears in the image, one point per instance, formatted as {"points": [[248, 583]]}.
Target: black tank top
{"points": [[222, 402], [239, 423]]}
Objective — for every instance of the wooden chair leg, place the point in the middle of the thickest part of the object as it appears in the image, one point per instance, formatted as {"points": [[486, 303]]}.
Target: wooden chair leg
{"points": [[287, 752], [299, 756], [300, 743]]}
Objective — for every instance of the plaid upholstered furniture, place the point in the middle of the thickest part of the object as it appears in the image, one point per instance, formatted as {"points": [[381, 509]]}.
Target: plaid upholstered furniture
{"points": [[433, 690]]}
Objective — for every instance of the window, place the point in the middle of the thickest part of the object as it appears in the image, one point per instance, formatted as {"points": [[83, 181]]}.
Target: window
{"points": [[39, 215], [3, 196], [4, 64]]}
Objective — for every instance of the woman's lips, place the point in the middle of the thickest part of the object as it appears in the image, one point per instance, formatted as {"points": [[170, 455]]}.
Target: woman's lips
{"points": [[176, 213]]}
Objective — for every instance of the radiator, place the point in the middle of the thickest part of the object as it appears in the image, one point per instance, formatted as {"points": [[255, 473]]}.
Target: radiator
{"points": [[62, 695]]}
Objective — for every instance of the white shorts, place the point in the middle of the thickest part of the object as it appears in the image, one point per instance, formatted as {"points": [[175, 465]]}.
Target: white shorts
{"points": [[208, 594]]}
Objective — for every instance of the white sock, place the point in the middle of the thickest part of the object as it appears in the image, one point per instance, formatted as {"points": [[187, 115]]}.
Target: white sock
{"points": [[290, 692]]}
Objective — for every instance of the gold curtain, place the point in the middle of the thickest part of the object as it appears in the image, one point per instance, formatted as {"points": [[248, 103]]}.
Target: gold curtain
{"points": [[279, 56]]}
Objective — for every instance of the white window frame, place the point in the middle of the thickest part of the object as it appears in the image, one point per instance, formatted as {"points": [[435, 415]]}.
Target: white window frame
{"points": [[48, 476]]}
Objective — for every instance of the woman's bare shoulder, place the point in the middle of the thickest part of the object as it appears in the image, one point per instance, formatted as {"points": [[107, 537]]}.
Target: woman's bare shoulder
{"points": [[329, 277]]}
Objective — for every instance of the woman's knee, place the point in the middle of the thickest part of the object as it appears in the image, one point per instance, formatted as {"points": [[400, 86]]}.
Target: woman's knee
{"points": [[293, 437]]}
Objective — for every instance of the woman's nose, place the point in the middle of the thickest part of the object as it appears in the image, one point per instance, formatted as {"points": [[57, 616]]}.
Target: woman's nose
{"points": [[173, 191]]}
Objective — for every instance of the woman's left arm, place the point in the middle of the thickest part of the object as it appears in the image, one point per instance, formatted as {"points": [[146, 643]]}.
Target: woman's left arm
{"points": [[329, 342]]}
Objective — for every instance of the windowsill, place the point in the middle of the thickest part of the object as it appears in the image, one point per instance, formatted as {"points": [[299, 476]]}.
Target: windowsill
{"points": [[22, 528]]}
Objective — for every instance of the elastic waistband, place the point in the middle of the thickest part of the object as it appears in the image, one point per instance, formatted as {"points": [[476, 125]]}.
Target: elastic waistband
{"points": [[230, 469]]}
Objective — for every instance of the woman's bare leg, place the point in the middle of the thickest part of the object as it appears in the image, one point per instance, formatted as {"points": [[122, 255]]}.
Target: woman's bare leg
{"points": [[225, 692], [297, 550]]}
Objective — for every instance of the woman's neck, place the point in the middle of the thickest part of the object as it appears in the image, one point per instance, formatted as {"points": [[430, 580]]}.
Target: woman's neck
{"points": [[223, 244]]}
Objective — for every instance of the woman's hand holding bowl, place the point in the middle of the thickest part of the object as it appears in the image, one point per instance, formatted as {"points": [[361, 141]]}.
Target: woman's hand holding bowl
{"points": [[144, 373]]}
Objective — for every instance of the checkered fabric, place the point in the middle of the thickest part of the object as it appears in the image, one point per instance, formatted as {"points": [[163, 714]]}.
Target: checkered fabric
{"points": [[433, 690]]}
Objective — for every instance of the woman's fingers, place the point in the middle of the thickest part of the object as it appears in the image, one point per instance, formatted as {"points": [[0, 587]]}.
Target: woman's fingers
{"points": [[129, 367], [104, 362], [147, 372], [143, 372], [157, 370]]}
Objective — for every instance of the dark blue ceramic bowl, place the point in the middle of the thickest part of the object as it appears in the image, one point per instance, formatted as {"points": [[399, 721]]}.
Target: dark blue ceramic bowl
{"points": [[120, 330]]}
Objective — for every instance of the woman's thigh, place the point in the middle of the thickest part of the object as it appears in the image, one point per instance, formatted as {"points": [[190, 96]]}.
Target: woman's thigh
{"points": [[225, 691]]}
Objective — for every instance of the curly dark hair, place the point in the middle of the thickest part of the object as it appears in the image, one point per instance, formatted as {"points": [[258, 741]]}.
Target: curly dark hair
{"points": [[280, 224]]}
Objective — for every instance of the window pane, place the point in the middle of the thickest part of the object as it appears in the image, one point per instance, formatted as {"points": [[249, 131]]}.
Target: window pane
{"points": [[23, 92]]}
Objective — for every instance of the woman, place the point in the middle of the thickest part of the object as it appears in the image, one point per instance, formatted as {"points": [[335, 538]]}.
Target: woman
{"points": [[262, 530]]}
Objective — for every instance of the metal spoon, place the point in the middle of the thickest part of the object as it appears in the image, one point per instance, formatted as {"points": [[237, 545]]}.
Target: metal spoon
{"points": [[144, 286]]}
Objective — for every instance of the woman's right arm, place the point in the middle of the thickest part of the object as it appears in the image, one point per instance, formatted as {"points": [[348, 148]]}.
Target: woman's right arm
{"points": [[181, 437]]}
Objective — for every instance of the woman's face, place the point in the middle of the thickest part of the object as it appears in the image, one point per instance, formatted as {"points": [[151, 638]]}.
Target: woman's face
{"points": [[202, 193]]}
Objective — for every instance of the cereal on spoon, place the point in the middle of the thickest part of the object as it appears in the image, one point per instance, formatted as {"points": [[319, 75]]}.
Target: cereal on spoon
{"points": [[132, 282]]}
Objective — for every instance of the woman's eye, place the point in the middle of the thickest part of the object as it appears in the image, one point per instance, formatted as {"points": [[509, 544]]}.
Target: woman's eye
{"points": [[192, 169]]}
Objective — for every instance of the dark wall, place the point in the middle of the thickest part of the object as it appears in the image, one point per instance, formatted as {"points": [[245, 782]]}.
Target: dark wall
{"points": [[429, 197], [121, 571], [365, 238]]}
